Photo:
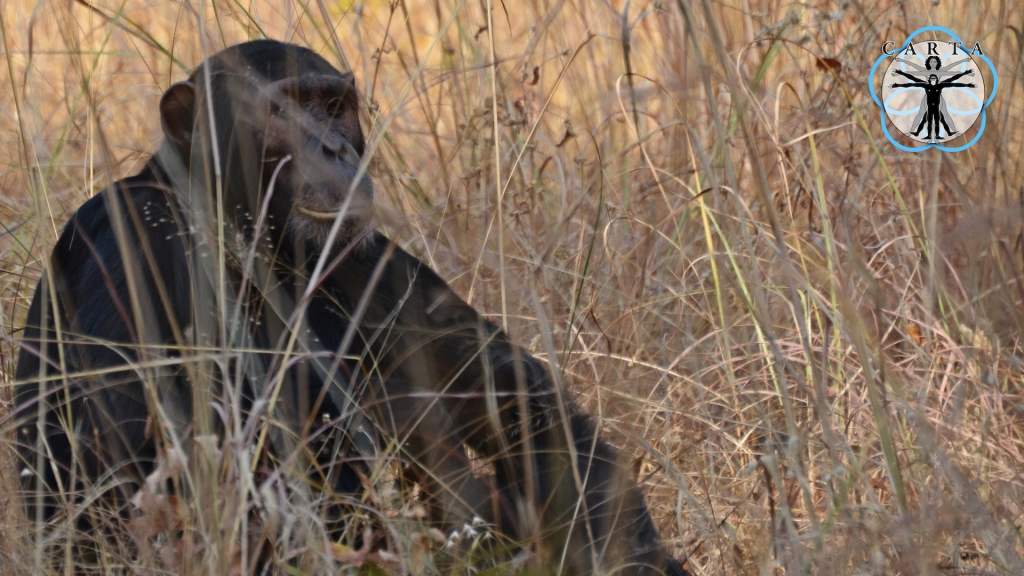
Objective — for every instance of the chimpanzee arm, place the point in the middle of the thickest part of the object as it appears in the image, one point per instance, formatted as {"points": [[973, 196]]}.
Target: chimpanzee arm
{"points": [[914, 78], [504, 404], [949, 81]]}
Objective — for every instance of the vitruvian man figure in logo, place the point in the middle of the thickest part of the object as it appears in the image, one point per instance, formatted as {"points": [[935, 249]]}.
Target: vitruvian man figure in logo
{"points": [[934, 111]]}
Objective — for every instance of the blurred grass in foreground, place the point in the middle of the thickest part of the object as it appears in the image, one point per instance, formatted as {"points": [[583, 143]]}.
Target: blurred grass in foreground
{"points": [[816, 367]]}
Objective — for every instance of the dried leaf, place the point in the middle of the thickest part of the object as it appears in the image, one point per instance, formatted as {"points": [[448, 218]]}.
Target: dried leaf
{"points": [[826, 64], [915, 334], [347, 555]]}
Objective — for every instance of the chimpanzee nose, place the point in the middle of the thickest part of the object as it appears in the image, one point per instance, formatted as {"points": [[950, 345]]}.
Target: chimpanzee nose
{"points": [[336, 147]]}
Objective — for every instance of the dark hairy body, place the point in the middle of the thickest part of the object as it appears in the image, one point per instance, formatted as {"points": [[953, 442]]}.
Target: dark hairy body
{"points": [[330, 329]]}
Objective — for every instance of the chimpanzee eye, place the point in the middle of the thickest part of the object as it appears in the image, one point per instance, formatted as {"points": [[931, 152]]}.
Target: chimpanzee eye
{"points": [[335, 106], [275, 109]]}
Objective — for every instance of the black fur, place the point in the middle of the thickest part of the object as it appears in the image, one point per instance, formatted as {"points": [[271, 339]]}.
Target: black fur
{"points": [[423, 364]]}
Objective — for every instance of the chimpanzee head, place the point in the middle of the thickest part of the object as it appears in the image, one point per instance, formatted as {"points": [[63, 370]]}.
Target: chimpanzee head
{"points": [[278, 124]]}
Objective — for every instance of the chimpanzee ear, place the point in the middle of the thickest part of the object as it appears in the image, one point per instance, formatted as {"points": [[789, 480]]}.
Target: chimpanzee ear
{"points": [[178, 114]]}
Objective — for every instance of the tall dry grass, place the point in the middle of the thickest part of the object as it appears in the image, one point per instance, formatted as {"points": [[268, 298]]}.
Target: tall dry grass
{"points": [[815, 366]]}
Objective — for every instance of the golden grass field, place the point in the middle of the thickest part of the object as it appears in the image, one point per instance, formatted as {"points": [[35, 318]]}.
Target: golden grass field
{"points": [[815, 367]]}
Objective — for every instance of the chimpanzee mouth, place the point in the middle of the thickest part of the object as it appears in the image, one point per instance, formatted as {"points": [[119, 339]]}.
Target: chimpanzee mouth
{"points": [[317, 214]]}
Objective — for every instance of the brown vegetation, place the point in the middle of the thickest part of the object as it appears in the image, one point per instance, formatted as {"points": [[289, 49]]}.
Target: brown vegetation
{"points": [[816, 365]]}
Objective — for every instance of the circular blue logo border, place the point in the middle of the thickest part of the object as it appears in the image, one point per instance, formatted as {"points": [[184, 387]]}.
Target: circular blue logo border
{"points": [[885, 128]]}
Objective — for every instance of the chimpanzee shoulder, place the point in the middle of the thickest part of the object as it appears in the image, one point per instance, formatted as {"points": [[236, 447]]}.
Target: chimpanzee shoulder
{"points": [[90, 268]]}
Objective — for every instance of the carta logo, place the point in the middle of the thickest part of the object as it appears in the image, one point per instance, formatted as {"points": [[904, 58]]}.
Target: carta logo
{"points": [[933, 91]]}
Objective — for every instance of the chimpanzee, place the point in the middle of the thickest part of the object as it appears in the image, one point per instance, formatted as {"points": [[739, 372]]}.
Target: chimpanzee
{"points": [[239, 268]]}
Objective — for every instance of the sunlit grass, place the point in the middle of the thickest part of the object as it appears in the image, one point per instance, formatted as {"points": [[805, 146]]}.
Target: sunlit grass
{"points": [[815, 366]]}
